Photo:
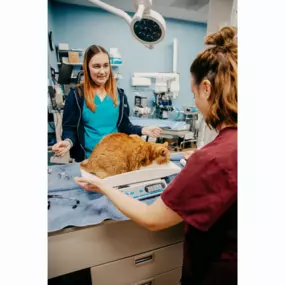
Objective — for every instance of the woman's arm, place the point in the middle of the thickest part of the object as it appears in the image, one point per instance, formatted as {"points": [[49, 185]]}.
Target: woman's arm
{"points": [[125, 125], [128, 128], [154, 217], [70, 119]]}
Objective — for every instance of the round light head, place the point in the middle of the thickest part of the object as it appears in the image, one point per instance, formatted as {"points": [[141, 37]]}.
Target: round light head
{"points": [[150, 29]]}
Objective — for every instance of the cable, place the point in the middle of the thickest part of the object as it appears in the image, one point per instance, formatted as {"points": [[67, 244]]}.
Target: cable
{"points": [[58, 111], [52, 127]]}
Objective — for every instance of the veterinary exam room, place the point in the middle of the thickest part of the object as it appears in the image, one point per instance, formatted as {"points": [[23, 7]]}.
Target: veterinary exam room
{"points": [[142, 142]]}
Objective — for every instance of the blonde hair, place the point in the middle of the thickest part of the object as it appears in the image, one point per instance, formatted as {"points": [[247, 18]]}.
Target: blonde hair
{"points": [[218, 64], [89, 84]]}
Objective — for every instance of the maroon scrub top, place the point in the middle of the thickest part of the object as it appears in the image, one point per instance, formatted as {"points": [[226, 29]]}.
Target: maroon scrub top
{"points": [[204, 194]]}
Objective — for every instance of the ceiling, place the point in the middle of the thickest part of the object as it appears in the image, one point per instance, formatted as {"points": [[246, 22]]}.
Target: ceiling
{"points": [[189, 10]]}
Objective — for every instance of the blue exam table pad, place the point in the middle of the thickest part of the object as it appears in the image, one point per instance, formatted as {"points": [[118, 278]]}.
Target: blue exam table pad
{"points": [[93, 208]]}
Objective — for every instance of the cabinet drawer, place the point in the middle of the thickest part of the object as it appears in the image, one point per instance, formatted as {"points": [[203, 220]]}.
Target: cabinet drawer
{"points": [[169, 278], [77, 249], [138, 267]]}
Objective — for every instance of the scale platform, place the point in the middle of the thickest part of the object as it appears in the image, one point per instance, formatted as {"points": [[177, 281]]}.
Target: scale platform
{"points": [[141, 184], [144, 190]]}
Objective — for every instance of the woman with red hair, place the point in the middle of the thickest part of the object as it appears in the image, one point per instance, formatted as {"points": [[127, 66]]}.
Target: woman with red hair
{"points": [[95, 109]]}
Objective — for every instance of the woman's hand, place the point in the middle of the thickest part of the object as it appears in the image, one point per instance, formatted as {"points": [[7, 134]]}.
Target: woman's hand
{"points": [[61, 148], [94, 185], [152, 131]]}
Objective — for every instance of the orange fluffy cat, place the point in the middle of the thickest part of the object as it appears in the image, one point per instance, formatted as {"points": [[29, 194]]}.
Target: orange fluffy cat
{"points": [[119, 153]]}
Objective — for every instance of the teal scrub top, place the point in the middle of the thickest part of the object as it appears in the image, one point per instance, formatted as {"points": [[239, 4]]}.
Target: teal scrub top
{"points": [[100, 123]]}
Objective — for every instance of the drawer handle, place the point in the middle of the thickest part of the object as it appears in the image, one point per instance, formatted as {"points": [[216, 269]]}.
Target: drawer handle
{"points": [[144, 259], [146, 282]]}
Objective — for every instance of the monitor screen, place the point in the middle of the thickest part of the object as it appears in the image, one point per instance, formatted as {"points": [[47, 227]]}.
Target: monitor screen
{"points": [[64, 74]]}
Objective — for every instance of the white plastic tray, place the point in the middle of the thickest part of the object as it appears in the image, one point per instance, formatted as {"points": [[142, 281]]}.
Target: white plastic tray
{"points": [[153, 171]]}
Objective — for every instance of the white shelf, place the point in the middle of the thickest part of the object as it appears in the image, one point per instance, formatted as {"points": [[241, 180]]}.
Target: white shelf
{"points": [[70, 50], [79, 63]]}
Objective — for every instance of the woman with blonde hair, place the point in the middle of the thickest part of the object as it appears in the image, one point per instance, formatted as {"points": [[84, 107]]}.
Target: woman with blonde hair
{"points": [[204, 193], [95, 109]]}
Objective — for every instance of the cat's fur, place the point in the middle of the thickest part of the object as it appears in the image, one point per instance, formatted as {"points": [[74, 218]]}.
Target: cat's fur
{"points": [[119, 153]]}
